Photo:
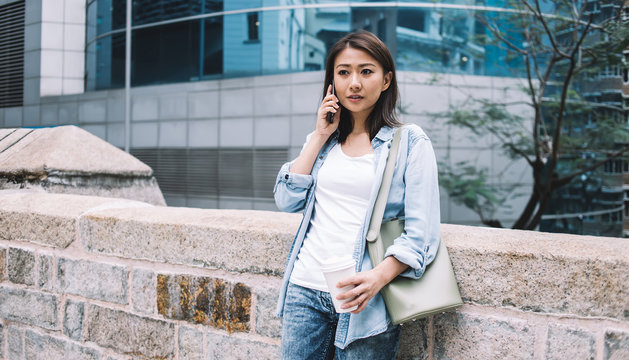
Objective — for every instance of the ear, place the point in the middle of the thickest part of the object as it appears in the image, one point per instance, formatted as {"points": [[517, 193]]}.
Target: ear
{"points": [[387, 81]]}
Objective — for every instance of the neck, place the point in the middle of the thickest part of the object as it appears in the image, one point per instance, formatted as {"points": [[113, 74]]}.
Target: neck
{"points": [[360, 123]]}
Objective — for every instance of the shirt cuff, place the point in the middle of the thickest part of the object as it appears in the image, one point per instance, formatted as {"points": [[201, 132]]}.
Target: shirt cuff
{"points": [[296, 181], [402, 254]]}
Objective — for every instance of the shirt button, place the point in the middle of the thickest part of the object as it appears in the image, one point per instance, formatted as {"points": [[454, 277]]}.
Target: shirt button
{"points": [[389, 145], [321, 157], [286, 176]]}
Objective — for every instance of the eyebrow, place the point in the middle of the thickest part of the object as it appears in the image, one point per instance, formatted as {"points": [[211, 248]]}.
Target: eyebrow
{"points": [[360, 65]]}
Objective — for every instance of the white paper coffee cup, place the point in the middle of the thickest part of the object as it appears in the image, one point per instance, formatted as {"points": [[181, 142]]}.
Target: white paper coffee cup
{"points": [[335, 270]]}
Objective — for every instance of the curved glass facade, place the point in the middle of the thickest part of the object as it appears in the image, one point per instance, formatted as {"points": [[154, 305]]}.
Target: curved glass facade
{"points": [[183, 40]]}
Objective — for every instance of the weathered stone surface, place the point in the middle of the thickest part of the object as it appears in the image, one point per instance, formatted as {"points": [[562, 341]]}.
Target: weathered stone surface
{"points": [[55, 150], [3, 264], [267, 323], [127, 333], [28, 307], [143, 291], [204, 300], [93, 280], [1, 339], [15, 348], [37, 346], [46, 219], [21, 266], [616, 345], [414, 340], [541, 272], [73, 319], [44, 272], [224, 347], [242, 241], [463, 336], [190, 344], [570, 343]]}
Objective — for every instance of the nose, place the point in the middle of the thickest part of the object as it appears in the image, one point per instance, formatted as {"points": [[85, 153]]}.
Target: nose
{"points": [[355, 85]]}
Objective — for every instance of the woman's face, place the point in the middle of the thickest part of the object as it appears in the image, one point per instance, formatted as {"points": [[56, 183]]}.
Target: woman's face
{"points": [[359, 80]]}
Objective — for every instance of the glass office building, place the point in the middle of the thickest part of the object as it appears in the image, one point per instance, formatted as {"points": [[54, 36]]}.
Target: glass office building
{"points": [[223, 92], [180, 41]]}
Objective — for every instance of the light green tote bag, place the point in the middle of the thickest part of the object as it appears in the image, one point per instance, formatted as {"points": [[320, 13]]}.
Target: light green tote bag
{"points": [[409, 299]]}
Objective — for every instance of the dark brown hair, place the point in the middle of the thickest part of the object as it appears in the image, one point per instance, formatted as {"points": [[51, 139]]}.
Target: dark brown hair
{"points": [[383, 112]]}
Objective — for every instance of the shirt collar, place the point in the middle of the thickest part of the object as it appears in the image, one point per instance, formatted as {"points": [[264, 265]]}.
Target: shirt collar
{"points": [[385, 134]]}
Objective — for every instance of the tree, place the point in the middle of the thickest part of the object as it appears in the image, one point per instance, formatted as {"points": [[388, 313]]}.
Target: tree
{"points": [[561, 50]]}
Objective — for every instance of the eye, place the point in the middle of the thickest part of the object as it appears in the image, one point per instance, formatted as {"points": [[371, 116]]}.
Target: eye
{"points": [[366, 71], [343, 72]]}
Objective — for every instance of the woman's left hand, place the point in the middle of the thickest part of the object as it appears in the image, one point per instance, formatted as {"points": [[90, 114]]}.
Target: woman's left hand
{"points": [[368, 283]]}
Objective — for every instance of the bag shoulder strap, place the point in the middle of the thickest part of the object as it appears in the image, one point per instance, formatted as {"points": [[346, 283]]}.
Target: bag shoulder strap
{"points": [[383, 192]]}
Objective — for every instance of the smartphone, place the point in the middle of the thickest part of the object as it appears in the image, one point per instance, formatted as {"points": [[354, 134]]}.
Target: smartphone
{"points": [[331, 114]]}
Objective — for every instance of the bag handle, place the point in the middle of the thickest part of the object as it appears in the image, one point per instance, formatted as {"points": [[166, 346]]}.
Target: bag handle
{"points": [[383, 192]]}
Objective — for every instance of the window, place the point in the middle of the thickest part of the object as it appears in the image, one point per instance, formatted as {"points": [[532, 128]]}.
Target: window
{"points": [[253, 24]]}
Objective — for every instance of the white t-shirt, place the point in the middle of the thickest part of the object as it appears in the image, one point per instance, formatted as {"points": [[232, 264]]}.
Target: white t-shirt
{"points": [[341, 199]]}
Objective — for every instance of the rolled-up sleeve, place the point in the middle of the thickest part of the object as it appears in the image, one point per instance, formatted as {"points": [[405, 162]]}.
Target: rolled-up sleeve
{"points": [[419, 243], [291, 189]]}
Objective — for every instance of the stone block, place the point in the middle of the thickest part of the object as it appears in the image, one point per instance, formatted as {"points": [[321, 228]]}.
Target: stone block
{"points": [[236, 132], [28, 307], [173, 107], [232, 240], [540, 272], [73, 319], [93, 280], [236, 103], [44, 272], [15, 346], [46, 219], [190, 344], [203, 104], [21, 266], [128, 333], [565, 342], [267, 323], [3, 264], [616, 345], [272, 132], [464, 336], [414, 340], [143, 291], [223, 346], [35, 345], [203, 300]]}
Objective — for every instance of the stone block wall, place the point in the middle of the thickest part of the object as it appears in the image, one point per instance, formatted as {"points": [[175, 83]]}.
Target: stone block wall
{"points": [[100, 278]]}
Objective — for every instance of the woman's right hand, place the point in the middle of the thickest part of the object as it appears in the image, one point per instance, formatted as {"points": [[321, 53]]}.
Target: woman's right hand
{"points": [[329, 104]]}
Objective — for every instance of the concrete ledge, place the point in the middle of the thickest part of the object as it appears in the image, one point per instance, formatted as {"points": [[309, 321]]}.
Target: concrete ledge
{"points": [[541, 272], [233, 240], [47, 219]]}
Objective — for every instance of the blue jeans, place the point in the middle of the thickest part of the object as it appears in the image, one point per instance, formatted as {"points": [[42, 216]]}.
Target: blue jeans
{"points": [[309, 326]]}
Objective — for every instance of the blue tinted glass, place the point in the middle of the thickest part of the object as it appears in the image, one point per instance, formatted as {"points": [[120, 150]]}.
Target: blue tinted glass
{"points": [[166, 54], [295, 38], [149, 11], [105, 61], [104, 16]]}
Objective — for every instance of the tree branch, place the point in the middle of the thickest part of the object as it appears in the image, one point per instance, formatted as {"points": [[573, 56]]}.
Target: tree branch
{"points": [[566, 179]]}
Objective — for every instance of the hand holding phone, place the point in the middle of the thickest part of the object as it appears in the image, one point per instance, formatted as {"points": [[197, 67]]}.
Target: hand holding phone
{"points": [[330, 117]]}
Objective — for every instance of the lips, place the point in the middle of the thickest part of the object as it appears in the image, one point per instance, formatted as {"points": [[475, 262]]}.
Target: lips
{"points": [[354, 98]]}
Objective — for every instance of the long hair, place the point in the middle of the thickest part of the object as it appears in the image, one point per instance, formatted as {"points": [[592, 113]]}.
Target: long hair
{"points": [[383, 112]]}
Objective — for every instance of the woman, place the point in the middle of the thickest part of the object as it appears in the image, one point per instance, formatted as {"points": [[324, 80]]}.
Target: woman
{"points": [[334, 181]]}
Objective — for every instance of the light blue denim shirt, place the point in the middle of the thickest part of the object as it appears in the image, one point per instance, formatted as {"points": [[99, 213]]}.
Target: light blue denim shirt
{"points": [[414, 196]]}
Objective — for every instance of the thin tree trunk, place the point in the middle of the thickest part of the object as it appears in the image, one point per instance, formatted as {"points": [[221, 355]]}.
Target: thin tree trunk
{"points": [[528, 210]]}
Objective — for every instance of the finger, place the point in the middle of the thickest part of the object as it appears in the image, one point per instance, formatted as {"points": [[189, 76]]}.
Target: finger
{"points": [[329, 92]]}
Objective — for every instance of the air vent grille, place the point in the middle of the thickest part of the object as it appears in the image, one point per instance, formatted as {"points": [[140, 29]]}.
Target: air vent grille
{"points": [[12, 54], [245, 173]]}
